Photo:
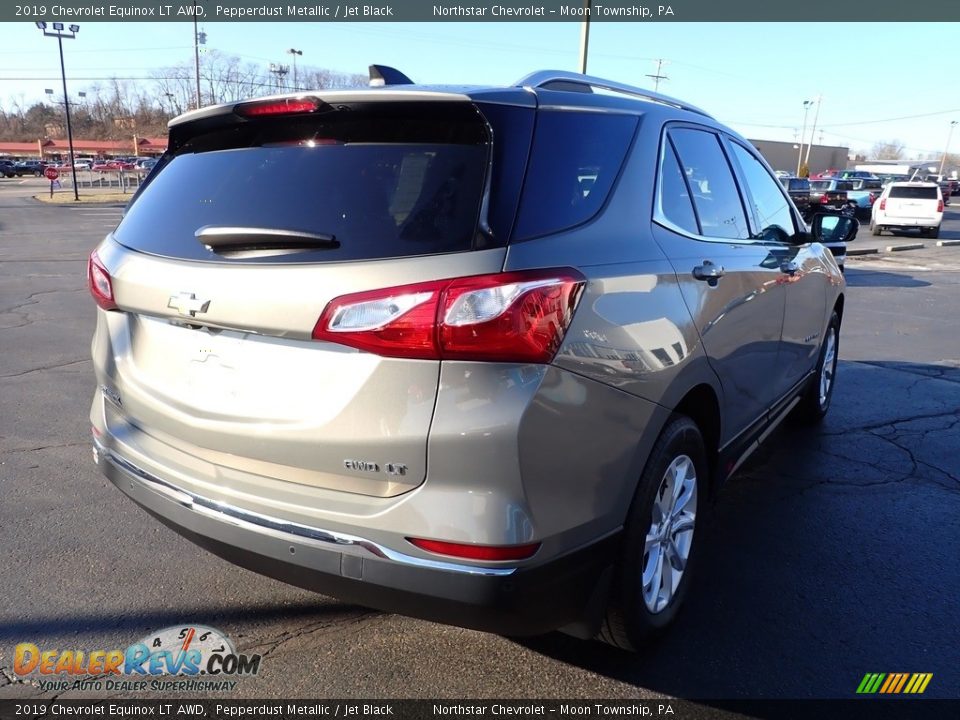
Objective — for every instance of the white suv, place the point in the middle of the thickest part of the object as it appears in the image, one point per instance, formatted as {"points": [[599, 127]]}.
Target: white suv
{"points": [[905, 205]]}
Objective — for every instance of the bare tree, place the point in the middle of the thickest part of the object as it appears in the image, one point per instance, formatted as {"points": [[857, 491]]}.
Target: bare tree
{"points": [[887, 150]]}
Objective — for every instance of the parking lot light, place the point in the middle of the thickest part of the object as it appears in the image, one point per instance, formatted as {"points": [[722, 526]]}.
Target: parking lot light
{"points": [[943, 160], [59, 34]]}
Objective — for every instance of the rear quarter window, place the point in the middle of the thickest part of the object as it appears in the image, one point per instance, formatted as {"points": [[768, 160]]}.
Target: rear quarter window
{"points": [[575, 160]]}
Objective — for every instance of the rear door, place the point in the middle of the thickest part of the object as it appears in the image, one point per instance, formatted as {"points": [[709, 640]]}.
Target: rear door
{"points": [[730, 282], [232, 250]]}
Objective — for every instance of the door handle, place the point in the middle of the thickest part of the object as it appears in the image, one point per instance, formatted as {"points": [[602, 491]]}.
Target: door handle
{"points": [[789, 267], [709, 272]]}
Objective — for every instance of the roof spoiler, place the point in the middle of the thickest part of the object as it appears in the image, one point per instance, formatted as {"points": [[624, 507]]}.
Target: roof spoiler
{"points": [[381, 75]]}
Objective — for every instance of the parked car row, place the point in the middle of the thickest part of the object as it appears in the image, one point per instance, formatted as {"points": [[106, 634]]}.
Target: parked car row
{"points": [[35, 168]]}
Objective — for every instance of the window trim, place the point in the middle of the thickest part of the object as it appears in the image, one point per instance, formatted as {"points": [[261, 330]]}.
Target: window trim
{"points": [[664, 222], [738, 169]]}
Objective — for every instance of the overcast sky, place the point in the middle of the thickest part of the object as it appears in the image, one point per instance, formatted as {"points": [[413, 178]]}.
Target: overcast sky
{"points": [[878, 81]]}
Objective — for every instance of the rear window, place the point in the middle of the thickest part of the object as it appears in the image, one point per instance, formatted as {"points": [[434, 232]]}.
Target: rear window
{"points": [[575, 160], [798, 184], [384, 179], [821, 184], [913, 192]]}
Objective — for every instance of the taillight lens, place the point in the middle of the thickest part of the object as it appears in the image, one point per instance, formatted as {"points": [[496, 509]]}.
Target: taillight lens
{"points": [[824, 199], [883, 204], [939, 205], [98, 280], [505, 317], [872, 197], [477, 552]]}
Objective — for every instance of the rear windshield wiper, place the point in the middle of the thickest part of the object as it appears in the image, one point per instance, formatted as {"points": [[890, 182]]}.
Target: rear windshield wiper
{"points": [[220, 237]]}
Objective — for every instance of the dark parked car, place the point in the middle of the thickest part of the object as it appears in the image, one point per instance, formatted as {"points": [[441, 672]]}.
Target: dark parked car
{"points": [[30, 167], [8, 168], [799, 191], [478, 355]]}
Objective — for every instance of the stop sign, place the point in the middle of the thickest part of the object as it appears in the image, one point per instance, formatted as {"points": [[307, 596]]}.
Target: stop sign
{"points": [[51, 173]]}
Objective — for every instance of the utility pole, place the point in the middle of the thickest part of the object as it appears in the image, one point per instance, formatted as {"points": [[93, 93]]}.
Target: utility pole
{"points": [[196, 51], [816, 114], [658, 77], [943, 160], [291, 51], [279, 72], [585, 35]]}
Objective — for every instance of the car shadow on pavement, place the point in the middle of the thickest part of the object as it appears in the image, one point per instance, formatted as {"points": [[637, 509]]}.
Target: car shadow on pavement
{"points": [[816, 563], [857, 277]]}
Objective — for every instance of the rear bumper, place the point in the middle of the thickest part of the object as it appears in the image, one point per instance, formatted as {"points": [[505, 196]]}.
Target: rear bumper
{"points": [[525, 600], [909, 222]]}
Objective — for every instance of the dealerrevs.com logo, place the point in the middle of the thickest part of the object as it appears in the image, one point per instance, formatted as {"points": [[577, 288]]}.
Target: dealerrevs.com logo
{"points": [[192, 652]]}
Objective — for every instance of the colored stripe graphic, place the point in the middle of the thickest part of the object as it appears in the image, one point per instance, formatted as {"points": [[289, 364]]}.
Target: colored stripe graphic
{"points": [[894, 683]]}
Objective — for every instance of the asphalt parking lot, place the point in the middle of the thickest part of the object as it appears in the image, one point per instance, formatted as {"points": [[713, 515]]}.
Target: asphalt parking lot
{"points": [[832, 554]]}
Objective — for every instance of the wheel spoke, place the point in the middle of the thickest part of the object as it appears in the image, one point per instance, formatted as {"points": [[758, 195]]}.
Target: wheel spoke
{"points": [[651, 588], [683, 523], [677, 561], [650, 568], [667, 582]]}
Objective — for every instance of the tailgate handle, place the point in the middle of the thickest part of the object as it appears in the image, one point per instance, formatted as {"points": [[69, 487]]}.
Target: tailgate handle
{"points": [[217, 237]]}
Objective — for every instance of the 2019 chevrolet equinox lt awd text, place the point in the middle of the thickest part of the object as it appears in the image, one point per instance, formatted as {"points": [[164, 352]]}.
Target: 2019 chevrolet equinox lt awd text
{"points": [[477, 355]]}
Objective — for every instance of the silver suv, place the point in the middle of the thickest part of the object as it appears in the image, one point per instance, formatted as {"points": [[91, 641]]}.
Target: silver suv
{"points": [[476, 355]]}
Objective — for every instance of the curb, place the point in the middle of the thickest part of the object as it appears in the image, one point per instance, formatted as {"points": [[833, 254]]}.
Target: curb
{"points": [[863, 251], [946, 243], [901, 248]]}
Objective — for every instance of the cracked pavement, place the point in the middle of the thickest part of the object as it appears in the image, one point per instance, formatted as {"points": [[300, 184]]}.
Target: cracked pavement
{"points": [[832, 553]]}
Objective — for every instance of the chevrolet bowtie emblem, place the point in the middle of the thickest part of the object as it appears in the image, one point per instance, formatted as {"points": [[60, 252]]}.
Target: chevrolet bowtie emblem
{"points": [[187, 304]]}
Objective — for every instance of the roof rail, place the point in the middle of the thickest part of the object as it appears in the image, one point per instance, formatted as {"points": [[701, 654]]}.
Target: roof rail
{"points": [[565, 80]]}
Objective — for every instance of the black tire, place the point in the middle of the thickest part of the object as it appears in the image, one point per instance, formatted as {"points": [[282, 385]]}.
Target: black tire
{"points": [[629, 622], [933, 232], [813, 406], [37, 173], [875, 229]]}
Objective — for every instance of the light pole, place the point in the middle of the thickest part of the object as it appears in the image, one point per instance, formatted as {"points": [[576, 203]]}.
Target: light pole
{"points": [[813, 130], [943, 160], [59, 34], [803, 133], [293, 52]]}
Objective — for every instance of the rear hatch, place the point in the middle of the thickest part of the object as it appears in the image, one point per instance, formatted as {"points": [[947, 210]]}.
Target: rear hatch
{"points": [[253, 222], [914, 203]]}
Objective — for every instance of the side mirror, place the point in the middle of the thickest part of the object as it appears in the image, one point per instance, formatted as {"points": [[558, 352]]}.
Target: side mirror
{"points": [[834, 228]]}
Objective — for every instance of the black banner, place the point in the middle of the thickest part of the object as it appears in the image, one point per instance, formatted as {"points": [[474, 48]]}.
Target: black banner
{"points": [[73, 11], [176, 709]]}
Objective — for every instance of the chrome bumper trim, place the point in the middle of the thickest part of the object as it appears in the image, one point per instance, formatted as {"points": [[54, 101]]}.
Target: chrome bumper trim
{"points": [[257, 522]]}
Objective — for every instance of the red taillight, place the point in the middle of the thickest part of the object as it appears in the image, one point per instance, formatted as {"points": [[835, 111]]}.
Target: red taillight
{"points": [[98, 280], [505, 317], [824, 199], [883, 204], [477, 552], [939, 205], [286, 106], [872, 197]]}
